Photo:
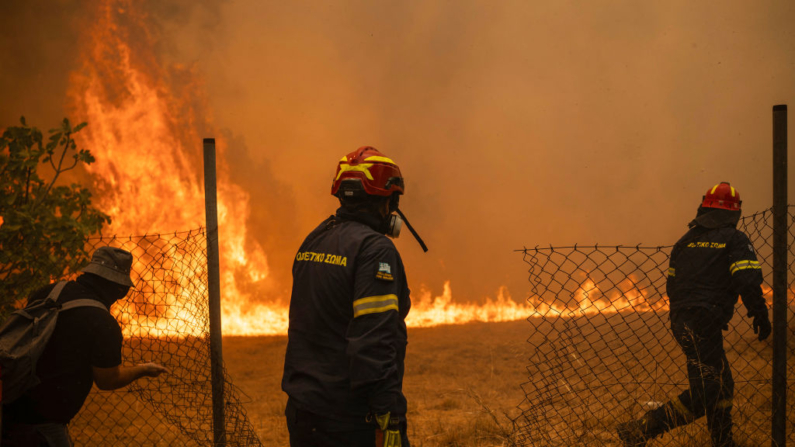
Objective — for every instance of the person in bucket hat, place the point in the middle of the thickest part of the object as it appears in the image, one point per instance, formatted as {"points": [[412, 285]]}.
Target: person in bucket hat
{"points": [[85, 348], [113, 264]]}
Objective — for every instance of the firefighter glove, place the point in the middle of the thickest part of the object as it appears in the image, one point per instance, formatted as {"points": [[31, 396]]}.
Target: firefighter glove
{"points": [[762, 325], [388, 432]]}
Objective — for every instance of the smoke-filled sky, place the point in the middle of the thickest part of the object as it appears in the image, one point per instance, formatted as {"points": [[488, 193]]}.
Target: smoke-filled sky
{"points": [[515, 123]]}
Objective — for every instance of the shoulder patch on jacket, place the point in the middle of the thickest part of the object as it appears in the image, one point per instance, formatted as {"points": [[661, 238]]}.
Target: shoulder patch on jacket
{"points": [[384, 272]]}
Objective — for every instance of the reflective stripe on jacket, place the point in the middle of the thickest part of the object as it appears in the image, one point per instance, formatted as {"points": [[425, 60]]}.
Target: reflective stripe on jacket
{"points": [[709, 268]]}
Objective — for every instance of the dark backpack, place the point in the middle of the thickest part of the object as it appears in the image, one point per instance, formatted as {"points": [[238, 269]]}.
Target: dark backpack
{"points": [[23, 337]]}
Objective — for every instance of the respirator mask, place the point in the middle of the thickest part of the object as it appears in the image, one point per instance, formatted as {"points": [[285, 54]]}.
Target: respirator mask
{"points": [[393, 226], [394, 222]]}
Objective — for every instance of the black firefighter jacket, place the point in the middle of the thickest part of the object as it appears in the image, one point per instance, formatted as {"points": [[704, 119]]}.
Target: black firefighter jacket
{"points": [[710, 267], [347, 335]]}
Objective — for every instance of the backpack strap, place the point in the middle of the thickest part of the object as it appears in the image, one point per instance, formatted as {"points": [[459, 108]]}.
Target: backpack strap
{"points": [[56, 291], [51, 297], [83, 303]]}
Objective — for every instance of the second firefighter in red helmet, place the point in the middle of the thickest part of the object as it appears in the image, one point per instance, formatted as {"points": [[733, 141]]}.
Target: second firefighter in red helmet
{"points": [[710, 266]]}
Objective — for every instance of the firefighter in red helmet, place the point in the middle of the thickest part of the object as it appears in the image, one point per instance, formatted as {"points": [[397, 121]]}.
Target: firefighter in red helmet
{"points": [[711, 265], [343, 370]]}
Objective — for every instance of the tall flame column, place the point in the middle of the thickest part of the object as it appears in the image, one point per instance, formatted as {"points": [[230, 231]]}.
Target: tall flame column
{"points": [[214, 290]]}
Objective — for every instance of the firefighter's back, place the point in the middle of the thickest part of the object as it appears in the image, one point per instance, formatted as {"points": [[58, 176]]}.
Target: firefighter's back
{"points": [[317, 367]]}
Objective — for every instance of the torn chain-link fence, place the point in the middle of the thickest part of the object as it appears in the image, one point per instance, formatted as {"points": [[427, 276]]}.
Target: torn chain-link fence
{"points": [[603, 352]]}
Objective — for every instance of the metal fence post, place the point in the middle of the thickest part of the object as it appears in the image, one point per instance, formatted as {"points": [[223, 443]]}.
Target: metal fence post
{"points": [[780, 270], [214, 289]]}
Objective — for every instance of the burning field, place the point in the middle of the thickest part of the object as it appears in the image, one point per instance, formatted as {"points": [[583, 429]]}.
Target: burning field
{"points": [[145, 125], [147, 111]]}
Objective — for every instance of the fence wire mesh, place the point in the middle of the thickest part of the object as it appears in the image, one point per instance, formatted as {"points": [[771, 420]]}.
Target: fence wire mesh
{"points": [[604, 353], [165, 319]]}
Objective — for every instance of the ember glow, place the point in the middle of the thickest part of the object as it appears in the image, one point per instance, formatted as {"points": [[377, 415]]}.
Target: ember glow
{"points": [[146, 135]]}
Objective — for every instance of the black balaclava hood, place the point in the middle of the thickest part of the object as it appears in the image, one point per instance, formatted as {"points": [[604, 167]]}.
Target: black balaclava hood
{"points": [[108, 292], [389, 224], [715, 218], [377, 223]]}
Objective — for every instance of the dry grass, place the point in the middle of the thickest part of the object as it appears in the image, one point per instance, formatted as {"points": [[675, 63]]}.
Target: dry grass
{"points": [[463, 384], [460, 383]]}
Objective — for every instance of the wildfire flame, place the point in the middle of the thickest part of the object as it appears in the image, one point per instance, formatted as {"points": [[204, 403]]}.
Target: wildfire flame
{"points": [[428, 311], [146, 135], [143, 134]]}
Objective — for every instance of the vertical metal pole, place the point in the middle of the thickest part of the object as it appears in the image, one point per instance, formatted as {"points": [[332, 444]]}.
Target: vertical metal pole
{"points": [[780, 270], [214, 288]]}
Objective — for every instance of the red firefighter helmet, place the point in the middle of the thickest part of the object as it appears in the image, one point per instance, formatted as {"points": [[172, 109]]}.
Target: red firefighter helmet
{"points": [[369, 171], [722, 196]]}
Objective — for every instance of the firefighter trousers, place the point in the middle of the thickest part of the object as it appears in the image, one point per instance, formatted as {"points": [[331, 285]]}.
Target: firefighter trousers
{"points": [[698, 332]]}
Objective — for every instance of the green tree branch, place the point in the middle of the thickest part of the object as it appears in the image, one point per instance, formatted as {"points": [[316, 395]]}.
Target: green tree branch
{"points": [[45, 226]]}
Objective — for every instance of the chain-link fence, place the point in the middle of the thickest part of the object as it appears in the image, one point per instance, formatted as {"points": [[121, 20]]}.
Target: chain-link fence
{"points": [[164, 320], [604, 352]]}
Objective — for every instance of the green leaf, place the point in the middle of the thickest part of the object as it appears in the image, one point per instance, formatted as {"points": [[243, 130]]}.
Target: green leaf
{"points": [[85, 156]]}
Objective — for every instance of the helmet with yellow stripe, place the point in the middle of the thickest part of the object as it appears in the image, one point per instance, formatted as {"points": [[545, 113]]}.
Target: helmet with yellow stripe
{"points": [[366, 171], [722, 196]]}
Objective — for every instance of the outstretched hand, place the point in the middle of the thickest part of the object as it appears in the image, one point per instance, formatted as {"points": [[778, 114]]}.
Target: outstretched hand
{"points": [[153, 369]]}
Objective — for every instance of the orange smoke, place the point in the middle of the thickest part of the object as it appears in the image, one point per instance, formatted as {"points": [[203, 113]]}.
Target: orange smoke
{"points": [[146, 123]]}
